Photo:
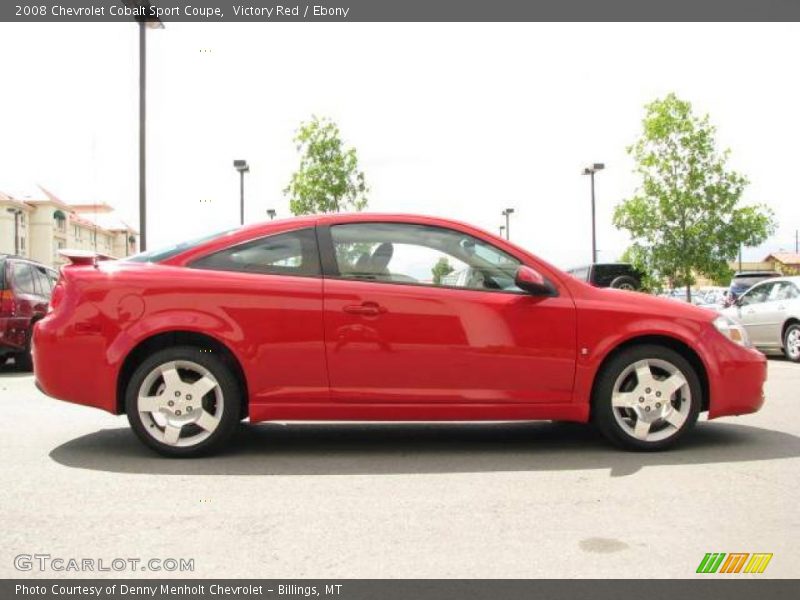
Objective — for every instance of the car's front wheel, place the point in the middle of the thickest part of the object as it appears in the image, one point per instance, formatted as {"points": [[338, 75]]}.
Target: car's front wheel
{"points": [[183, 402], [791, 342], [646, 398]]}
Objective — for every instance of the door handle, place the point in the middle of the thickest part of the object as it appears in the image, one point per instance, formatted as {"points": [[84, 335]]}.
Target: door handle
{"points": [[368, 309], [750, 312]]}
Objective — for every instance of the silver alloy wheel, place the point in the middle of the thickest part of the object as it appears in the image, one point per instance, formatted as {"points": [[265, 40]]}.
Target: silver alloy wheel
{"points": [[651, 400], [180, 403], [627, 286], [793, 344]]}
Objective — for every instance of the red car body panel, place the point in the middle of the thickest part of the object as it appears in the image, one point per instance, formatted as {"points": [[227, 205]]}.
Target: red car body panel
{"points": [[428, 353]]}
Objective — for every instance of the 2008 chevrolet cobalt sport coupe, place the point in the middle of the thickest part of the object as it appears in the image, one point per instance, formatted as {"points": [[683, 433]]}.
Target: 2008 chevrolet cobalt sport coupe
{"points": [[379, 318]]}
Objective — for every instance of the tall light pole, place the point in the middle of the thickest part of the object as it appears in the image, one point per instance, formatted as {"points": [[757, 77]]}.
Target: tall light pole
{"points": [[242, 167], [16, 212], [591, 171], [143, 7], [507, 213], [271, 213]]}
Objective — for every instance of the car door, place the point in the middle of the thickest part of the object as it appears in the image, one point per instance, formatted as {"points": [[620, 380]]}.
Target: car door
{"points": [[27, 302], [43, 289], [776, 310], [753, 312], [271, 289], [423, 314]]}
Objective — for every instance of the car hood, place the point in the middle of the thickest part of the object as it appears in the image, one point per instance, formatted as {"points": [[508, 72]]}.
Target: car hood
{"points": [[646, 304]]}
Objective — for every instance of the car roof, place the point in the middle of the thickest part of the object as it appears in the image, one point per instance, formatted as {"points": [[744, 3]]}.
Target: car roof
{"points": [[790, 278], [25, 259], [756, 274]]}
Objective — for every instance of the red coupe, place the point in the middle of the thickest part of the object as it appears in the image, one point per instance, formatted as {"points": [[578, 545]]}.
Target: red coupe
{"points": [[379, 318]]}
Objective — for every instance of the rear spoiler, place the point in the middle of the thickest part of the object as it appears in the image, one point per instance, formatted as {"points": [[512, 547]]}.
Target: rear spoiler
{"points": [[84, 257]]}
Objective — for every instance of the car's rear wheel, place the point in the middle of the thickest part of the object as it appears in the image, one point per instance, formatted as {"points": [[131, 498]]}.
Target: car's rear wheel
{"points": [[183, 402], [646, 398], [625, 282], [791, 342], [23, 361]]}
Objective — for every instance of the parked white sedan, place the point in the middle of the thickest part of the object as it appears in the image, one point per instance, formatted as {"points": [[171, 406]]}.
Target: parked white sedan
{"points": [[770, 312]]}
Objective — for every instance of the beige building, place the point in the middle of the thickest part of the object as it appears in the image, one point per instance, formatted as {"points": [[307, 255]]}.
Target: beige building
{"points": [[785, 263], [37, 226]]}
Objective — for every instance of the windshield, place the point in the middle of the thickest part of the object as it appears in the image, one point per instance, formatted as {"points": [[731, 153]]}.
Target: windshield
{"points": [[169, 251]]}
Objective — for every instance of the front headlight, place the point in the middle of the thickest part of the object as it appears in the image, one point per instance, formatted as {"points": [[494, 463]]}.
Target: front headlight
{"points": [[733, 330]]}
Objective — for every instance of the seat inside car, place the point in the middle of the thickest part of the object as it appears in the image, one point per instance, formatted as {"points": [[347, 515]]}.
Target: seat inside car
{"points": [[379, 261]]}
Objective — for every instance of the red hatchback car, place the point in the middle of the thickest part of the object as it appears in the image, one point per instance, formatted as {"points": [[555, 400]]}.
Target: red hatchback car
{"points": [[25, 287], [379, 318]]}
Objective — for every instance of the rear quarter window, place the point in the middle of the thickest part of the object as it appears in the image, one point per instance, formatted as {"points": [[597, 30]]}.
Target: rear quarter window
{"points": [[23, 278], [292, 253]]}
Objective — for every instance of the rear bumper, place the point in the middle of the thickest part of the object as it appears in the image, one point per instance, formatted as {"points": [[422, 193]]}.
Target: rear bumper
{"points": [[73, 367], [736, 380]]}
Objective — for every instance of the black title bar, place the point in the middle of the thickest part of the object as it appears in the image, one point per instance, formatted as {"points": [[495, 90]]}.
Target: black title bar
{"points": [[393, 589], [262, 11]]}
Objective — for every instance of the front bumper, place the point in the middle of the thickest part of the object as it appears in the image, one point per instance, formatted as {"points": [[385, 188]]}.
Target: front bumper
{"points": [[736, 380]]}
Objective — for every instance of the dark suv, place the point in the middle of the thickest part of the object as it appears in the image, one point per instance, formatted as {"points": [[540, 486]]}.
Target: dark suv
{"points": [[744, 280], [622, 276], [25, 287]]}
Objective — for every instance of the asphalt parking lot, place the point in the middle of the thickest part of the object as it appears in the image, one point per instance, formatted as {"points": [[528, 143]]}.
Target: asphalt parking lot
{"points": [[420, 500]]}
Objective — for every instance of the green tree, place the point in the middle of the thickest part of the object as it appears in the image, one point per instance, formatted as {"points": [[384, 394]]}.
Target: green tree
{"points": [[441, 269], [328, 179], [685, 218], [641, 261]]}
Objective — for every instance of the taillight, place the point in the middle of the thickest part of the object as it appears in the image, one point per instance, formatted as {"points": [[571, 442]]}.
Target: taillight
{"points": [[56, 296], [7, 305]]}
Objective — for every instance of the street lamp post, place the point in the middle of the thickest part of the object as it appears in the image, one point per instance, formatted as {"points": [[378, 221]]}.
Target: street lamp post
{"points": [[591, 171], [242, 167], [16, 212], [143, 8], [507, 213], [271, 213]]}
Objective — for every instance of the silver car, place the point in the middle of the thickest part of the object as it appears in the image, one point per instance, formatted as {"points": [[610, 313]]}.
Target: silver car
{"points": [[770, 312]]}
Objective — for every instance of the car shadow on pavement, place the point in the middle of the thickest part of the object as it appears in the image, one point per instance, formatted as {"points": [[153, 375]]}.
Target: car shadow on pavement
{"points": [[401, 448]]}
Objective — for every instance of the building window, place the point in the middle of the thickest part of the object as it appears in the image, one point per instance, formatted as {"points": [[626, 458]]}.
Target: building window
{"points": [[61, 221]]}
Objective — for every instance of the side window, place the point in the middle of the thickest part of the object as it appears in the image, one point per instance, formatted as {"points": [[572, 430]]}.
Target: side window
{"points": [[757, 295], [420, 254], [23, 279], [293, 253], [53, 277], [42, 282], [783, 290]]}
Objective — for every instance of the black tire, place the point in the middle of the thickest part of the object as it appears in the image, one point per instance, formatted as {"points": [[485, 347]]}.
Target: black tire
{"points": [[229, 387], [23, 361], [625, 282], [685, 406], [790, 345]]}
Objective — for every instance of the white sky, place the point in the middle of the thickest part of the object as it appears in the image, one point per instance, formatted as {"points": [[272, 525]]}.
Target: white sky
{"points": [[459, 120]]}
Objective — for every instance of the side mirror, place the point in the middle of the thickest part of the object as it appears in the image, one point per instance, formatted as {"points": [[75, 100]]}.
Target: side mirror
{"points": [[533, 282]]}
